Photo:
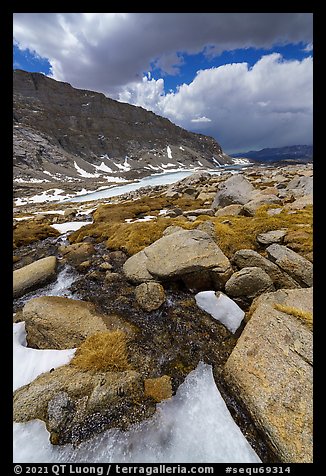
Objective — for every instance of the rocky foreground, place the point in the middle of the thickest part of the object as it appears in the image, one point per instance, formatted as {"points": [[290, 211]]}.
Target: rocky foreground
{"points": [[213, 268]]}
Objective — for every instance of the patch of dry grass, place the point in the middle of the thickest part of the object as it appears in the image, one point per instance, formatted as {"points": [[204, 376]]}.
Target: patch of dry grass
{"points": [[109, 223], [29, 231], [158, 388], [134, 237], [305, 316], [103, 351], [239, 233], [242, 231]]}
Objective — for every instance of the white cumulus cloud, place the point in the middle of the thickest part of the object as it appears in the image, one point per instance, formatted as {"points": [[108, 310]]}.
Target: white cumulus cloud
{"points": [[201, 119], [269, 104]]}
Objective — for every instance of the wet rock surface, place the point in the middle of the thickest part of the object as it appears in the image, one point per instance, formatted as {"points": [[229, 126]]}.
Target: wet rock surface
{"points": [[34, 275]]}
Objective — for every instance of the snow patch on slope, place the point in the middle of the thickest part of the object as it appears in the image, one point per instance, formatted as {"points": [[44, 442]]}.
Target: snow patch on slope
{"points": [[83, 172]]}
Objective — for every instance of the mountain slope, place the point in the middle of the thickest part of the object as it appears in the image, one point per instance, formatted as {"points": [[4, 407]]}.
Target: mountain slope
{"points": [[300, 153], [63, 133]]}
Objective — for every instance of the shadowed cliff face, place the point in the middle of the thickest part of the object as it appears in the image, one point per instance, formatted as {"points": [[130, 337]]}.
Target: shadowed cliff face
{"points": [[56, 124]]}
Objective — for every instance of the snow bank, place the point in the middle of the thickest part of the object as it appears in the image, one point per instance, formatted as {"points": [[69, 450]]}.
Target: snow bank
{"points": [[194, 426], [221, 307], [29, 363], [70, 226], [83, 172]]}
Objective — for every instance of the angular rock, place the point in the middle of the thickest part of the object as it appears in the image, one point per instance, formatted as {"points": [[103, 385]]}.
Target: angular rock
{"points": [[273, 236], [236, 189], [105, 266], [76, 404], [301, 186], [292, 263], [135, 268], [190, 251], [270, 371], [172, 229], [198, 212], [54, 322], [229, 210], [34, 275], [172, 194], [250, 258], [192, 192], [208, 227], [249, 283], [206, 196], [250, 208], [174, 212], [77, 252], [300, 203], [150, 296], [70, 212]]}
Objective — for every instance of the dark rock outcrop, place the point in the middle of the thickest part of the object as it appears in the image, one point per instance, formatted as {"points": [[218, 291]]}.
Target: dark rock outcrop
{"points": [[60, 130]]}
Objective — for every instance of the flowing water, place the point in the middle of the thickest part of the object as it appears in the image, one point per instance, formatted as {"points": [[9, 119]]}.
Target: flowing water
{"points": [[60, 287]]}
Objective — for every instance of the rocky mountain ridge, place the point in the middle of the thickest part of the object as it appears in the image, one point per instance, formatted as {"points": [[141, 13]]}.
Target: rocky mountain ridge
{"points": [[63, 134], [293, 153]]}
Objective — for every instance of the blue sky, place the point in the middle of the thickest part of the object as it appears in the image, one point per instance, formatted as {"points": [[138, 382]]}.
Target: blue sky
{"points": [[245, 79]]}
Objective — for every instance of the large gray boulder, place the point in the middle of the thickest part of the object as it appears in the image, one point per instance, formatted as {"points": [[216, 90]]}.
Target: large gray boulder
{"points": [[190, 254], [301, 186], [54, 322], [260, 199], [34, 275], [250, 258], [135, 268], [292, 263], [270, 371], [249, 283], [236, 189]]}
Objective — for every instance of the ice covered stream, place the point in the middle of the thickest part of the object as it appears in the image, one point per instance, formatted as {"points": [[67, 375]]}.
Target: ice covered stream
{"points": [[194, 426]]}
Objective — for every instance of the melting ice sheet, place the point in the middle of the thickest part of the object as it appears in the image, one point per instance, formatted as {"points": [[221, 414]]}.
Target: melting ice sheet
{"points": [[194, 426]]}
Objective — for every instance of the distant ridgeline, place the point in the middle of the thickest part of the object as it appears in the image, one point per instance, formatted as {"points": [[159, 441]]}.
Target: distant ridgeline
{"points": [[294, 153]]}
